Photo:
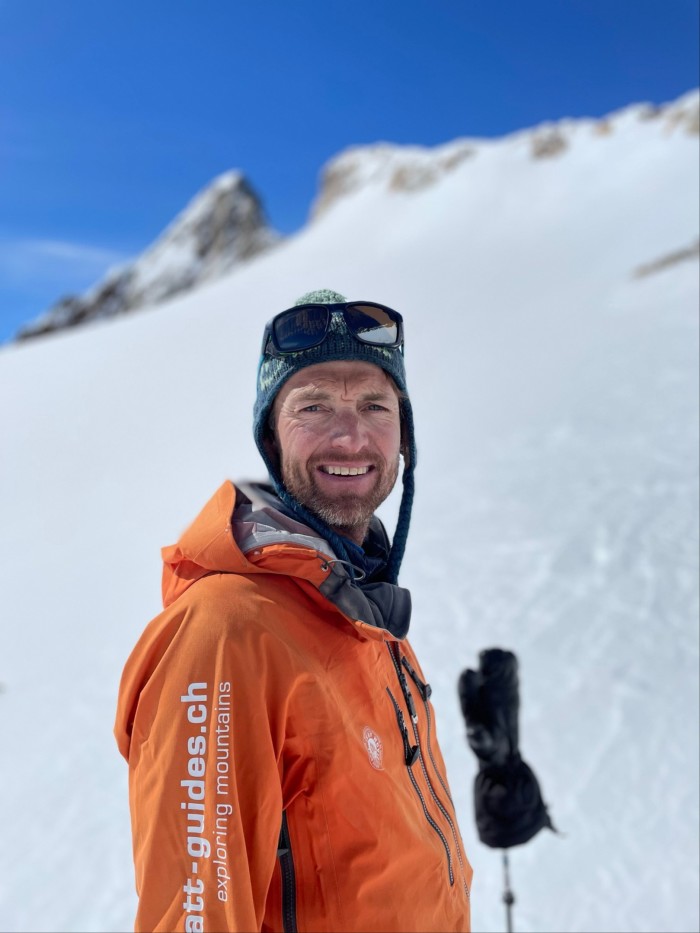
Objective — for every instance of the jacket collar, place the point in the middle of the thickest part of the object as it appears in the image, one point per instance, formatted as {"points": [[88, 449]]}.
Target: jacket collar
{"points": [[245, 529]]}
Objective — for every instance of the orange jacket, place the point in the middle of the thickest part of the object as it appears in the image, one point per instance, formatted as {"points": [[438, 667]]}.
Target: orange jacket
{"points": [[284, 771]]}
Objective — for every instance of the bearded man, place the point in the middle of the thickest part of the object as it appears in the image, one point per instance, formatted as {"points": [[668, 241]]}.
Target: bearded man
{"points": [[284, 770]]}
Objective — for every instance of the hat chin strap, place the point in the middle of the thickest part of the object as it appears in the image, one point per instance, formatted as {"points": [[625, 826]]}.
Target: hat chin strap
{"points": [[398, 544]]}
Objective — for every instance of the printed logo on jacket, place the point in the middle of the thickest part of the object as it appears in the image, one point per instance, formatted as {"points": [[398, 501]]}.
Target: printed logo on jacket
{"points": [[374, 746], [197, 813]]}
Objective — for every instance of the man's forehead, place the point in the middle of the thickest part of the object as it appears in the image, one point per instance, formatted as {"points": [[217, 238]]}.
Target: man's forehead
{"points": [[340, 374]]}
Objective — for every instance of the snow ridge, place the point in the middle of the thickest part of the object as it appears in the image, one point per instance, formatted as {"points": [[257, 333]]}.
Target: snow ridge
{"points": [[410, 168]]}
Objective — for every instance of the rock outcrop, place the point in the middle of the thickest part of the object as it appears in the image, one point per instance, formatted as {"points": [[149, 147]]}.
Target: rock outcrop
{"points": [[688, 253], [400, 168]]}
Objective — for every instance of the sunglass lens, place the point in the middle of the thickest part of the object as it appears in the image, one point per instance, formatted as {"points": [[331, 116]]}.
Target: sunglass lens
{"points": [[372, 324], [300, 328]]}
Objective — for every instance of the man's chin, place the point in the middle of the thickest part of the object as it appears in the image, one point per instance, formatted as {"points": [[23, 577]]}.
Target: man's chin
{"points": [[340, 518], [343, 510]]}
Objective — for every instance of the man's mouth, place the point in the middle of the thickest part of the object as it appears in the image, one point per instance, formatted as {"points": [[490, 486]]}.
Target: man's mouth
{"points": [[344, 470]]}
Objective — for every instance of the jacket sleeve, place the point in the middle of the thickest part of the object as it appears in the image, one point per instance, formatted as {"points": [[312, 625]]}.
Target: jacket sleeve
{"points": [[202, 729]]}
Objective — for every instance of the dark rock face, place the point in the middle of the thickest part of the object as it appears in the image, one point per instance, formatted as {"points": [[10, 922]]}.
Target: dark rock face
{"points": [[223, 226]]}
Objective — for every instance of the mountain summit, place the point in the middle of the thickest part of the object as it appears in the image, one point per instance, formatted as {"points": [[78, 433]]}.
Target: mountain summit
{"points": [[222, 226]]}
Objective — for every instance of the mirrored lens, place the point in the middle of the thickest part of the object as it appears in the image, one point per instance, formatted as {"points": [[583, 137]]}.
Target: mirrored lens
{"points": [[300, 328], [372, 324]]}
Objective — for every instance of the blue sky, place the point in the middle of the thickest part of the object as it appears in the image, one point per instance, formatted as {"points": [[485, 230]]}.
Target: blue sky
{"points": [[112, 116]]}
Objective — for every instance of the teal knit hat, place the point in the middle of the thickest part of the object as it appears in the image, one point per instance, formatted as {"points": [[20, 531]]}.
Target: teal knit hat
{"points": [[339, 344]]}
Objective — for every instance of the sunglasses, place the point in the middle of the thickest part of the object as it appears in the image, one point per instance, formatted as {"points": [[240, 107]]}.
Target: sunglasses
{"points": [[307, 326]]}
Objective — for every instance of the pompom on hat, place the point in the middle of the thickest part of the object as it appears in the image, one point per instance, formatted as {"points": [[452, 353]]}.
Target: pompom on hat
{"points": [[339, 344]]}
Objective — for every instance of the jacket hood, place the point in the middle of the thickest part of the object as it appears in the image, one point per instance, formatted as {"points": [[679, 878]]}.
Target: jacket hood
{"points": [[234, 523]]}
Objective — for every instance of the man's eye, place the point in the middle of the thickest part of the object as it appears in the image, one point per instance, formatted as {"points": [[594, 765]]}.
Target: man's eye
{"points": [[312, 408], [375, 407]]}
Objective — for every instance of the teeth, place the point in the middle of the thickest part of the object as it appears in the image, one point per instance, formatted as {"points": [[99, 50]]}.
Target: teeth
{"points": [[345, 471]]}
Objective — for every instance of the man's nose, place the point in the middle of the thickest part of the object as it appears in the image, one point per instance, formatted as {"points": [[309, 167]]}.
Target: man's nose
{"points": [[347, 432]]}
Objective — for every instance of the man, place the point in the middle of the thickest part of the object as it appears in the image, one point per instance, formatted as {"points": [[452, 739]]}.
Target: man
{"points": [[283, 765]]}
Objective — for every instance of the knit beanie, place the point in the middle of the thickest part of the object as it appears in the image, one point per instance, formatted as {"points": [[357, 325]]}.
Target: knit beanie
{"points": [[339, 344]]}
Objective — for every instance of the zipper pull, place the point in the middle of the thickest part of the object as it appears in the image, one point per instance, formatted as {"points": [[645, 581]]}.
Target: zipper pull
{"points": [[412, 755], [408, 696], [411, 752], [425, 689]]}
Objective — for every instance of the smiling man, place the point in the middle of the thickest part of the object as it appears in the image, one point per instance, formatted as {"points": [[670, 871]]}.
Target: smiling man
{"points": [[284, 770]]}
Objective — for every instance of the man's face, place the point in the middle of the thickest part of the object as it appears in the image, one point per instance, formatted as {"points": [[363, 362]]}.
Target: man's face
{"points": [[331, 418]]}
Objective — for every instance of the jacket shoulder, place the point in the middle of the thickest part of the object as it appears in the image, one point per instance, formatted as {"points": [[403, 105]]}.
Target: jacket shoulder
{"points": [[222, 607], [224, 627]]}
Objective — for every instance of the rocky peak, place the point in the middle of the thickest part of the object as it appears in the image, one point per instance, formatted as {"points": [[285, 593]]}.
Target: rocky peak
{"points": [[221, 227]]}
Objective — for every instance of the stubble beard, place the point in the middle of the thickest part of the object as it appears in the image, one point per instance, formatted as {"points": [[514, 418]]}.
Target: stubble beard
{"points": [[343, 512]]}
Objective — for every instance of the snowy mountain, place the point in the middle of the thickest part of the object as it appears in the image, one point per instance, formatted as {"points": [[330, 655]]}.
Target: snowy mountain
{"points": [[223, 226], [411, 168], [551, 308]]}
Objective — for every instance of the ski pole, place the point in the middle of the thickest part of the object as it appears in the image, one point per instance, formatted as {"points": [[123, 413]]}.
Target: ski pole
{"points": [[508, 896]]}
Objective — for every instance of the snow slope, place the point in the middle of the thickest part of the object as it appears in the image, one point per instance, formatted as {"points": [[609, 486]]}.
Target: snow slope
{"points": [[556, 400]]}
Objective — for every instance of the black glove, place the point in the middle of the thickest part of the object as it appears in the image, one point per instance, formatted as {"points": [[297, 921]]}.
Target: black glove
{"points": [[507, 800], [490, 704]]}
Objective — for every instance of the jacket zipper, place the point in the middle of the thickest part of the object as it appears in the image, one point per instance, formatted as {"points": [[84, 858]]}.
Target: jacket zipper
{"points": [[411, 755], [289, 893], [425, 692]]}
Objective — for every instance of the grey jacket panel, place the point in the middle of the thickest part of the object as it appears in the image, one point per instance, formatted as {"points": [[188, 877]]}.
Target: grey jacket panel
{"points": [[383, 605]]}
